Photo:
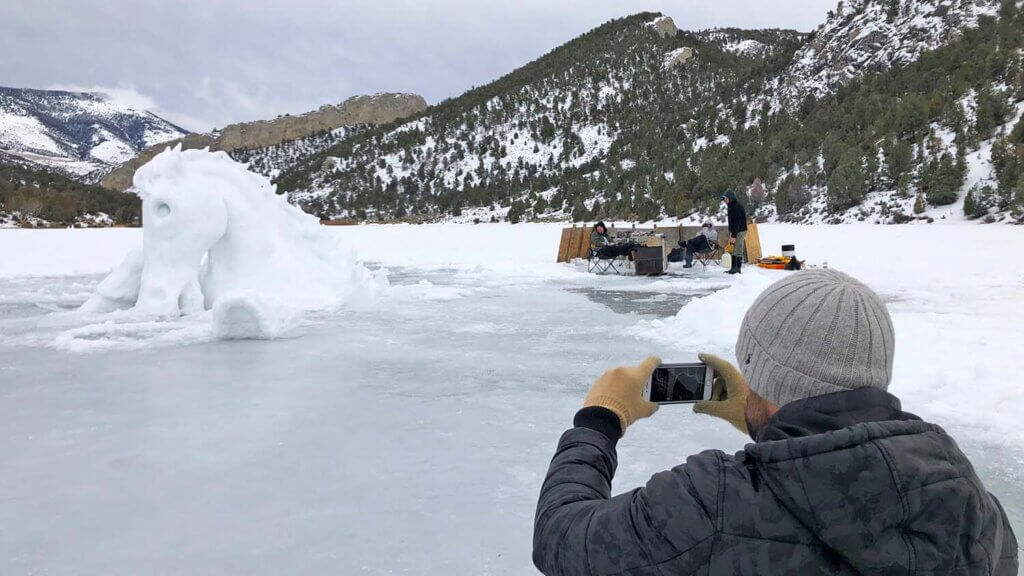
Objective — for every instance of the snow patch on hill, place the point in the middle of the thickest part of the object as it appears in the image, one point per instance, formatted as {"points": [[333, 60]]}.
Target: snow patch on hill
{"points": [[82, 134], [865, 36]]}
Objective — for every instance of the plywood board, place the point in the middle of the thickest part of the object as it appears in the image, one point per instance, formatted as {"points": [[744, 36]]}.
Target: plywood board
{"points": [[723, 236], [584, 249], [753, 242], [671, 235], [563, 245], [574, 242]]}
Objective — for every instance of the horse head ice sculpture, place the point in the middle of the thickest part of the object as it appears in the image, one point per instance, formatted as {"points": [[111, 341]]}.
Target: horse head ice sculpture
{"points": [[215, 232]]}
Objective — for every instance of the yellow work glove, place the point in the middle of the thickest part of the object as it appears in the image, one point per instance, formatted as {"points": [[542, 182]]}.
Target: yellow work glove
{"points": [[621, 390], [728, 393]]}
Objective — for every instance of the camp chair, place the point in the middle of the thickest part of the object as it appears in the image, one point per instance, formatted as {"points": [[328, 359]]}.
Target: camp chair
{"points": [[712, 254], [599, 265]]}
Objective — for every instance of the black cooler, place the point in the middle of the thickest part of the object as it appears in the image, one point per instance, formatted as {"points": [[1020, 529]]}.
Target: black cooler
{"points": [[650, 261]]}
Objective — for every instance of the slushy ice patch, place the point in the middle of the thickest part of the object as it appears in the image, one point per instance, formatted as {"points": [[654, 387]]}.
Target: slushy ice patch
{"points": [[217, 237]]}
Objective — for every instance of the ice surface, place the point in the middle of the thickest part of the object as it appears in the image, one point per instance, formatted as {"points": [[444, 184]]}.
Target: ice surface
{"points": [[410, 436], [212, 231]]}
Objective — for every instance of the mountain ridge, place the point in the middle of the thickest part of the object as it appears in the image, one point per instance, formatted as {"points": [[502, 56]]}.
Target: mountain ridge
{"points": [[80, 134], [604, 127], [311, 130]]}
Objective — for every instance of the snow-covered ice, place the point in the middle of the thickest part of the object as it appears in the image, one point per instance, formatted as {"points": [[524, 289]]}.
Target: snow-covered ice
{"points": [[410, 435]]}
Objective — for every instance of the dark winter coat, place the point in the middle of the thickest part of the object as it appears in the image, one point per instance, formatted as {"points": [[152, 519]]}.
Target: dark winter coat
{"points": [[839, 484], [598, 240], [737, 215]]}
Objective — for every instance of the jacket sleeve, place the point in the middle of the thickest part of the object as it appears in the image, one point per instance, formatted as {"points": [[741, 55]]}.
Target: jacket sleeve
{"points": [[580, 531], [1007, 562]]}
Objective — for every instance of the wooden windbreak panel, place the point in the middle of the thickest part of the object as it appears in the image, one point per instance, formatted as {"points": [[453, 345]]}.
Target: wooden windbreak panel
{"points": [[687, 232], [753, 242], [723, 236], [584, 249], [563, 245], [574, 242]]}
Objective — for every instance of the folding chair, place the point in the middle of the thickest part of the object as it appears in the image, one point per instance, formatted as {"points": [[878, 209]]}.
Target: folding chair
{"points": [[711, 254], [599, 265]]}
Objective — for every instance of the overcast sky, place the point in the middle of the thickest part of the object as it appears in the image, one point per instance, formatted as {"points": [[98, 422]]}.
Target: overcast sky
{"points": [[206, 63]]}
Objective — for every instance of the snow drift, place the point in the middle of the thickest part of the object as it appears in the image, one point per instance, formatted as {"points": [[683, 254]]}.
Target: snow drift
{"points": [[217, 237]]}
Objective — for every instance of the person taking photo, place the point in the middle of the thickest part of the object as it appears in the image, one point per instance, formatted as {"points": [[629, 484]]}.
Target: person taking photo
{"points": [[839, 478]]}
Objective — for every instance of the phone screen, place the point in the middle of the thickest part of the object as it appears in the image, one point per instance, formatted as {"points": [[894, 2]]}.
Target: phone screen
{"points": [[678, 383]]}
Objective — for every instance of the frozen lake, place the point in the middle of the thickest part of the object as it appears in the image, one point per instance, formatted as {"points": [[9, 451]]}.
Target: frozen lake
{"points": [[410, 435]]}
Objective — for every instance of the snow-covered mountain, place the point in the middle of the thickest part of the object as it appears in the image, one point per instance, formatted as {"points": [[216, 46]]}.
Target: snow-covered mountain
{"points": [[81, 134], [892, 111], [274, 145], [589, 114], [865, 36]]}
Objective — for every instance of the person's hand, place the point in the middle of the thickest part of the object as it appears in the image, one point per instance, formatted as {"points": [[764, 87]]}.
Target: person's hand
{"points": [[728, 394], [621, 390], [732, 239]]}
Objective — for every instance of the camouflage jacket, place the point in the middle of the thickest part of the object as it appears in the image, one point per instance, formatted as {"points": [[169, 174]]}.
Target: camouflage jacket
{"points": [[598, 241], [838, 484]]}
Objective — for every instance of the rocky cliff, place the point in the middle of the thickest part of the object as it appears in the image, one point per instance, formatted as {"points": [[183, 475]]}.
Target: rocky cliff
{"points": [[865, 36], [358, 110]]}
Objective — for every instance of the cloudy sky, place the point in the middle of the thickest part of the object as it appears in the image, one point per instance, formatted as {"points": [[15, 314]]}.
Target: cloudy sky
{"points": [[206, 63]]}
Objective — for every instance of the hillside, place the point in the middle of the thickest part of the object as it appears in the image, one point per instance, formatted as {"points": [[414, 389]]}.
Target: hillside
{"points": [[80, 134], [37, 198], [586, 118], [276, 144], [890, 111], [865, 36]]}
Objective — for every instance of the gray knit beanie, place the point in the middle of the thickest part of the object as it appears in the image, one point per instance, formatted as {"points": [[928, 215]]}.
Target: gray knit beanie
{"points": [[815, 332]]}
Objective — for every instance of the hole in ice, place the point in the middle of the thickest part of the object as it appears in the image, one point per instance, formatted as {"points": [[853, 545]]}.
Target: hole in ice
{"points": [[659, 304]]}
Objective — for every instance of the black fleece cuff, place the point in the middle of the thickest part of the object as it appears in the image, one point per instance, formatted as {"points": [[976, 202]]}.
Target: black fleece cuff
{"points": [[600, 419]]}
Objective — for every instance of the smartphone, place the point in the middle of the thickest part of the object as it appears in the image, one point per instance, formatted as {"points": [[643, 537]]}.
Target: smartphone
{"points": [[680, 383]]}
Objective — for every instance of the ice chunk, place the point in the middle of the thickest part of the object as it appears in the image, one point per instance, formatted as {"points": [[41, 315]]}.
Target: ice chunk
{"points": [[244, 317]]}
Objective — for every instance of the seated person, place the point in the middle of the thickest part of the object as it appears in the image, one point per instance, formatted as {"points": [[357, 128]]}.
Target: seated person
{"points": [[704, 240], [605, 247]]}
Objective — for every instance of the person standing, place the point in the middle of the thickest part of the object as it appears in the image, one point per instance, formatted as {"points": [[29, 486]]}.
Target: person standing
{"points": [[737, 231]]}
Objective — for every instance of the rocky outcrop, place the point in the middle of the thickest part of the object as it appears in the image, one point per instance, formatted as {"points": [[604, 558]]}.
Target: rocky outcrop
{"points": [[376, 109], [677, 57], [664, 26], [865, 36]]}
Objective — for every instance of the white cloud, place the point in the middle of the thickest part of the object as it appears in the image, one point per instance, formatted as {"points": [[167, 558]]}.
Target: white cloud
{"points": [[129, 97], [202, 64]]}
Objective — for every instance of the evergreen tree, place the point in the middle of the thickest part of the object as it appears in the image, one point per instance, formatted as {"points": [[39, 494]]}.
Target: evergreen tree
{"points": [[847, 186], [970, 205], [943, 180]]}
